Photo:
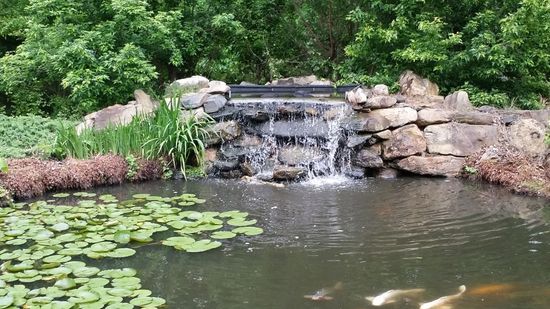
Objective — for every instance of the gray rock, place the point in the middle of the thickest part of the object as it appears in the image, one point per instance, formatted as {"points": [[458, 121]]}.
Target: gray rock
{"points": [[365, 122], [388, 173], [191, 84], [381, 90], [433, 166], [236, 153], [474, 118], [297, 128], [355, 172], [144, 103], [406, 141], [248, 169], [368, 158], [256, 115], [247, 140], [384, 135], [226, 131], [430, 116], [299, 155], [357, 96], [295, 81], [380, 102], [288, 173], [193, 100], [412, 84], [400, 98], [214, 103], [458, 101], [233, 174], [397, 117], [224, 166], [459, 139], [420, 102], [216, 87], [357, 140], [528, 135]]}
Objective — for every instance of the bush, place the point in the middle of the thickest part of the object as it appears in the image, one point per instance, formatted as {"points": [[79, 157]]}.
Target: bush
{"points": [[28, 136]]}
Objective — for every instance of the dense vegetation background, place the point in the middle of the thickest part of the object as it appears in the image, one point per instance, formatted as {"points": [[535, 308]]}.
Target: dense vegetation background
{"points": [[68, 57]]}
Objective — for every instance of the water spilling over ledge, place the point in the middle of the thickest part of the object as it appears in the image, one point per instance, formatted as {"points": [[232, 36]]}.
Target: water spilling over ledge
{"points": [[281, 139]]}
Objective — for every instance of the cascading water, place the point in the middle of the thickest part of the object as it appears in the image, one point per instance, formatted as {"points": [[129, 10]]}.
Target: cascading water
{"points": [[294, 133]]}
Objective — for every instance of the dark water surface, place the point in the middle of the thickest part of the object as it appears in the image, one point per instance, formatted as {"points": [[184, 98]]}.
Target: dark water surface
{"points": [[372, 235]]}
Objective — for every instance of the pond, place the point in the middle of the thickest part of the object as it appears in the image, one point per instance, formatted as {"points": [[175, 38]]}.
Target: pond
{"points": [[370, 235]]}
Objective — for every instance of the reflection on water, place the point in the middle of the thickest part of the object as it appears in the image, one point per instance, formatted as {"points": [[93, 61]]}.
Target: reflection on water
{"points": [[373, 236]]}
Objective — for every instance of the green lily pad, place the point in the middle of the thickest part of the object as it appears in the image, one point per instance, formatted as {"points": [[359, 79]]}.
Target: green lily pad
{"points": [[121, 253], [223, 235], [85, 271], [61, 195], [65, 284], [81, 297], [141, 236], [7, 301], [248, 230], [104, 246], [122, 237], [56, 259], [60, 227], [202, 246], [141, 195], [241, 222], [120, 306]]}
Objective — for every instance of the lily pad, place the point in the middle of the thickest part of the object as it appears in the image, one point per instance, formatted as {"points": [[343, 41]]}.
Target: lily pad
{"points": [[122, 237], [202, 246], [61, 195], [223, 235], [248, 230], [65, 284], [121, 253], [241, 222]]}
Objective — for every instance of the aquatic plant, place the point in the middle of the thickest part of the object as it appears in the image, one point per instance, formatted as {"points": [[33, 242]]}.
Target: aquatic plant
{"points": [[165, 134], [47, 244]]}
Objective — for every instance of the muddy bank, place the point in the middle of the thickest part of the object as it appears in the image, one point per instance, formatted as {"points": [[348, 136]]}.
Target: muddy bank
{"points": [[32, 177], [514, 169]]}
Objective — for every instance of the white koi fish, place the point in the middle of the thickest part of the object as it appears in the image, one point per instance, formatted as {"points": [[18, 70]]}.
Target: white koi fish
{"points": [[393, 296], [324, 293], [444, 302]]}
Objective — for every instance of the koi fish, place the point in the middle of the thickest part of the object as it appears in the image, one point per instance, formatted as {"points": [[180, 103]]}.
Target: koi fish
{"points": [[253, 180], [393, 296], [324, 293], [492, 289], [444, 302]]}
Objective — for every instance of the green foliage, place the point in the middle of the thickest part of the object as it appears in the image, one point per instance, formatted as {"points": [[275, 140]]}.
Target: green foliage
{"points": [[27, 136], [3, 165], [470, 170], [132, 166], [164, 135], [498, 49]]}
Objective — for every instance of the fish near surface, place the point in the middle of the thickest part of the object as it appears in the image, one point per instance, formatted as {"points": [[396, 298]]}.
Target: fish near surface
{"points": [[444, 302], [492, 289], [324, 293], [393, 296]]}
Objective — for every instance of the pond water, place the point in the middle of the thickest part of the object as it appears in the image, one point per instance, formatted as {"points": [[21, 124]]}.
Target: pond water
{"points": [[371, 235]]}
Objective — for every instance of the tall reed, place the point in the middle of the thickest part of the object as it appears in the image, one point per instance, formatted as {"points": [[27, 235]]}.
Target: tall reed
{"points": [[165, 134]]}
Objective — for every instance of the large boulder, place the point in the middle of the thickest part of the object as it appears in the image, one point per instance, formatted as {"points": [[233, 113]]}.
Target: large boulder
{"points": [[193, 100], [380, 90], [528, 135], [396, 117], [380, 119], [381, 101], [368, 158], [432, 166], [297, 128], [190, 84], [356, 96], [459, 139], [295, 81], [412, 84], [420, 102], [458, 100], [118, 114], [214, 103], [224, 131], [474, 117], [299, 155], [405, 141], [216, 87], [288, 172], [430, 116]]}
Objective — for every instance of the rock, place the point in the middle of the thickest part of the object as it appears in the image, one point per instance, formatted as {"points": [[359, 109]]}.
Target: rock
{"points": [[229, 152], [299, 155], [414, 85], [384, 135], [256, 115], [233, 174], [356, 96], [380, 102], [365, 122], [474, 118], [216, 87], [288, 110], [396, 117], [430, 116], [210, 154], [224, 166], [288, 172], [405, 141], [144, 104], [388, 173], [214, 103], [458, 100], [248, 169], [197, 113], [191, 84], [335, 113], [381, 90], [368, 158], [357, 140], [297, 128], [420, 102], [5, 197], [355, 172], [400, 98], [312, 112], [247, 140], [542, 116], [193, 100], [226, 131], [459, 139], [433, 166], [528, 135], [295, 81]]}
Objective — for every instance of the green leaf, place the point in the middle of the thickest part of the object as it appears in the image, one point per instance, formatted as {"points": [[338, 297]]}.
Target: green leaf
{"points": [[122, 237]]}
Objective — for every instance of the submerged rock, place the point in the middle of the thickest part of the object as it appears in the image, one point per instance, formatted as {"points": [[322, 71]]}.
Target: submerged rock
{"points": [[355, 172], [388, 173], [433, 166], [288, 172]]}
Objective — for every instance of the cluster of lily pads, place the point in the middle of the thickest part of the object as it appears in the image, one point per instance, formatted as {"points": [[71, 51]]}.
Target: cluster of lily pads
{"points": [[44, 240]]}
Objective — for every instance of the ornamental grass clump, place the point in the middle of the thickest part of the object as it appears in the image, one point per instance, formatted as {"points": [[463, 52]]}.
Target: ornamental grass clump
{"points": [[165, 135]]}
